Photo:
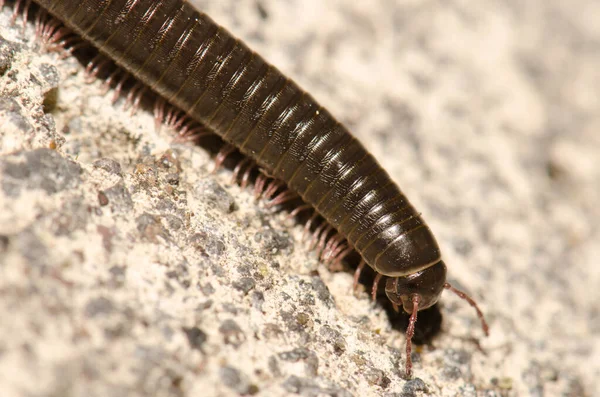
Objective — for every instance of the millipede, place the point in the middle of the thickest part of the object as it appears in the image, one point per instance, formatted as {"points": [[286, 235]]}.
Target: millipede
{"points": [[199, 69]]}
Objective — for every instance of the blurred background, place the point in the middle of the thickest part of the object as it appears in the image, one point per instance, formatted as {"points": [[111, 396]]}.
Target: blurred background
{"points": [[486, 114]]}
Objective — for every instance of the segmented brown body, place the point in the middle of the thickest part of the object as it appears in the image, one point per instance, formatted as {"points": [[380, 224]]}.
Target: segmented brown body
{"points": [[198, 66]]}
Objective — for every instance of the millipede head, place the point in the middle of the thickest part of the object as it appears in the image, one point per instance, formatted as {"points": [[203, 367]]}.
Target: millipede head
{"points": [[428, 284], [419, 291]]}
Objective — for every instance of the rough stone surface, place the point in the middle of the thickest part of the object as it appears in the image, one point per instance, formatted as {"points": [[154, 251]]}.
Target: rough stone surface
{"points": [[128, 268]]}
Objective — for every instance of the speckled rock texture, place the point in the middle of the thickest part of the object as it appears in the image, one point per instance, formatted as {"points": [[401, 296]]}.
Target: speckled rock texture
{"points": [[127, 268]]}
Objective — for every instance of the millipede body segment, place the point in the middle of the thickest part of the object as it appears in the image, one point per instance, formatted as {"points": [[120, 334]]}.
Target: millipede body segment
{"points": [[200, 68]]}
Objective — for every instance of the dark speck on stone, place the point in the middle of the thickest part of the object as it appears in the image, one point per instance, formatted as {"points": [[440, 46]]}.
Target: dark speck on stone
{"points": [[118, 271], [469, 390], [175, 223], [214, 194], [170, 159], [453, 360], [321, 290], [11, 112], [107, 236], [271, 241], [207, 243], [245, 284], [451, 372], [207, 289], [307, 300], [119, 198], [303, 318], [204, 305], [43, 169], [272, 331], [50, 171], [72, 216], [262, 11], [376, 377], [230, 308], [102, 199], [150, 227], [274, 367], [32, 248], [196, 337], [4, 240], [462, 246], [308, 387], [290, 321], [232, 333], [413, 386], [50, 75], [109, 165], [180, 273], [235, 380], [312, 365], [575, 388], [300, 353], [258, 298], [7, 53], [458, 356], [99, 306], [172, 179], [333, 337]]}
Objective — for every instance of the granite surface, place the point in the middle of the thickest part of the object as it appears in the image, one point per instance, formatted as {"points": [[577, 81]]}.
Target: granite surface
{"points": [[128, 268]]}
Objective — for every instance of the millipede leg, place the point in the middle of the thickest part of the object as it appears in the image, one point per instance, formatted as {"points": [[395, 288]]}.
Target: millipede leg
{"points": [[222, 155], [93, 67], [308, 225], [57, 39], [315, 237], [47, 30], [471, 302], [375, 286], [119, 88], [159, 113], [73, 45], [410, 332], [134, 96], [338, 256], [177, 120], [194, 134], [26, 12], [246, 176], [170, 117], [238, 168], [109, 80], [331, 247], [299, 209], [321, 243], [259, 185], [15, 12], [357, 273], [136, 101], [272, 189], [130, 94], [39, 21], [282, 198]]}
